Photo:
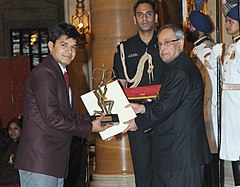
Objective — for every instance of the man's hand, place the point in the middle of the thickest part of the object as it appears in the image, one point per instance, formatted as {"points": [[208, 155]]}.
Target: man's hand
{"points": [[97, 127], [137, 108], [131, 127], [207, 64]]}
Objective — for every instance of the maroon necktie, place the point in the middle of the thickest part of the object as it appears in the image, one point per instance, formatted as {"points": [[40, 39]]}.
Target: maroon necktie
{"points": [[66, 79]]}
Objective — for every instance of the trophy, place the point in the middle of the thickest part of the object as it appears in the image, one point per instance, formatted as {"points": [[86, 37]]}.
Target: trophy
{"points": [[103, 102]]}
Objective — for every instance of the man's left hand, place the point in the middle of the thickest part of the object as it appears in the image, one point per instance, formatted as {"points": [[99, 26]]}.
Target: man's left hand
{"points": [[131, 127]]}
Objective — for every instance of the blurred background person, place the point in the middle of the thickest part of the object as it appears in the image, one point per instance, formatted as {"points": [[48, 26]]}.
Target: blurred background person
{"points": [[9, 176]]}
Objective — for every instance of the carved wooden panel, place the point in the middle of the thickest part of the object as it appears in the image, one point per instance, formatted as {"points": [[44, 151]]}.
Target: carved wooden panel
{"points": [[14, 73]]}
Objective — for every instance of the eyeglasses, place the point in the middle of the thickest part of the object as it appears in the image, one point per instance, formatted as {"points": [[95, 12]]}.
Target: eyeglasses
{"points": [[165, 43]]}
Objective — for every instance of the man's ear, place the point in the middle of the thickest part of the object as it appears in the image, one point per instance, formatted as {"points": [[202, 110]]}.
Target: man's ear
{"points": [[181, 44], [134, 20], [156, 18], [50, 45]]}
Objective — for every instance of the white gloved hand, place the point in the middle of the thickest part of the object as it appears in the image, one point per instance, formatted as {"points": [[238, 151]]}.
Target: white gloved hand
{"points": [[216, 52], [198, 49]]}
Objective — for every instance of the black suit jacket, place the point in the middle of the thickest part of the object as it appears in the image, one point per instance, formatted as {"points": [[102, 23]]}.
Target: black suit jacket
{"points": [[49, 122], [176, 119]]}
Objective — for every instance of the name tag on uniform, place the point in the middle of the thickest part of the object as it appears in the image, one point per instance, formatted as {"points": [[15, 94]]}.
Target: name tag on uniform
{"points": [[132, 55]]}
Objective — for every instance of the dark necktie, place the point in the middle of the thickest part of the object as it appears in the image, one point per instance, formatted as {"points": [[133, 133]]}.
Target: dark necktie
{"points": [[66, 79]]}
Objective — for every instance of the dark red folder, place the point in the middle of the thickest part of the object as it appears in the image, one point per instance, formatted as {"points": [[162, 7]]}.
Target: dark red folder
{"points": [[142, 92]]}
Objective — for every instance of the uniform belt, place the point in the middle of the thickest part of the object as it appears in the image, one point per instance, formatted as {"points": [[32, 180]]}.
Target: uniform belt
{"points": [[230, 86]]}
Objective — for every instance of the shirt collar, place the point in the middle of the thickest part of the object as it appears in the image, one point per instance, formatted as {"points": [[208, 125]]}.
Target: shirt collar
{"points": [[235, 39], [201, 40], [62, 68], [154, 38]]}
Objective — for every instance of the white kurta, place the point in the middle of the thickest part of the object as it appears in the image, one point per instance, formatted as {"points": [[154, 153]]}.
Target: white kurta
{"points": [[230, 122]]}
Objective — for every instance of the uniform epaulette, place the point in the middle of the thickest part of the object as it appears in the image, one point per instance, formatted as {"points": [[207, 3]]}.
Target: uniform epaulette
{"points": [[122, 42], [209, 43], [116, 49]]}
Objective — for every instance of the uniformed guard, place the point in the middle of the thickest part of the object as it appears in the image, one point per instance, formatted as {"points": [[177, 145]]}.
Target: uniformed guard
{"points": [[199, 29], [230, 128], [137, 63]]}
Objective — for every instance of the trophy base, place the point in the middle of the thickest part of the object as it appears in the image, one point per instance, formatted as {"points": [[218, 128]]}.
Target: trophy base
{"points": [[111, 119]]}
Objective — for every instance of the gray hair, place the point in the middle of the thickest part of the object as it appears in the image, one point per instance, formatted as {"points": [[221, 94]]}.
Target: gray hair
{"points": [[176, 29]]}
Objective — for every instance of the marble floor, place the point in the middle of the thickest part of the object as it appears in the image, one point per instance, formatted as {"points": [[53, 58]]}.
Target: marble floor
{"points": [[228, 175], [112, 181], [128, 180]]}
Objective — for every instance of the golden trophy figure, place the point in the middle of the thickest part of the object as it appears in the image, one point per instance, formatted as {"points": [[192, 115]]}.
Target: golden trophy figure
{"points": [[105, 104]]}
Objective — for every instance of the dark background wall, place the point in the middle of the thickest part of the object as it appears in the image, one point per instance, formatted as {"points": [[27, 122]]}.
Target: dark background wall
{"points": [[20, 14], [27, 14]]}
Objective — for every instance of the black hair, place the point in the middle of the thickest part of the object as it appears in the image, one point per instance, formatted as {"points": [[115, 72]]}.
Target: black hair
{"points": [[64, 29], [18, 121], [144, 1]]}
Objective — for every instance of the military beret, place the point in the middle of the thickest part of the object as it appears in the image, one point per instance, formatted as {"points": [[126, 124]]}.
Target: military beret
{"points": [[200, 21], [233, 13], [230, 10]]}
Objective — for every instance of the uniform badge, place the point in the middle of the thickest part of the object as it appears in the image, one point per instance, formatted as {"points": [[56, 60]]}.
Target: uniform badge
{"points": [[132, 55], [11, 159]]}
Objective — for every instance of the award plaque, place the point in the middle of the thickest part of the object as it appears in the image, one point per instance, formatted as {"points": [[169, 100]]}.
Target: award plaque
{"points": [[108, 119], [103, 102], [114, 93]]}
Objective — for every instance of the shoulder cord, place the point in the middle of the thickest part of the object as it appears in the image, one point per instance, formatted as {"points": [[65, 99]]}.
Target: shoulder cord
{"points": [[138, 76]]}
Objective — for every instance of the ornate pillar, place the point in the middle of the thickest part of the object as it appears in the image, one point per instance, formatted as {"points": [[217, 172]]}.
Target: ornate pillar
{"points": [[111, 22]]}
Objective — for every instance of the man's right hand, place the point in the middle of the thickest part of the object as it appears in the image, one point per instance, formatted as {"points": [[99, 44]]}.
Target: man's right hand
{"points": [[96, 124], [137, 108]]}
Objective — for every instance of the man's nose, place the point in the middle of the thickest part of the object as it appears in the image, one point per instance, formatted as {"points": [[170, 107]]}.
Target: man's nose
{"points": [[69, 49], [144, 16]]}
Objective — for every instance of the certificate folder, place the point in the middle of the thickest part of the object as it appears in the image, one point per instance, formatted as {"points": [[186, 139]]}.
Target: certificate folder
{"points": [[142, 92]]}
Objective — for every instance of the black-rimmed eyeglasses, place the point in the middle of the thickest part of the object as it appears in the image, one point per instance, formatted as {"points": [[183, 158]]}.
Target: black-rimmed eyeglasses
{"points": [[165, 43]]}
